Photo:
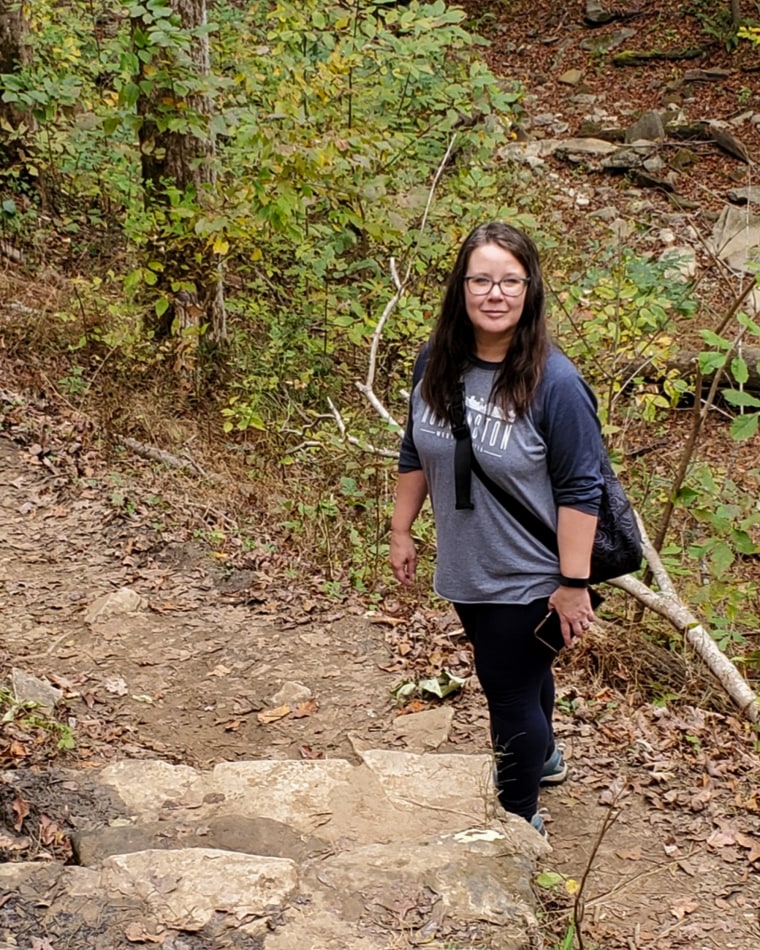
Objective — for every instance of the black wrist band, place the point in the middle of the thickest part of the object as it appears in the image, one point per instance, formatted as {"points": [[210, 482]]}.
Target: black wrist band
{"points": [[573, 581]]}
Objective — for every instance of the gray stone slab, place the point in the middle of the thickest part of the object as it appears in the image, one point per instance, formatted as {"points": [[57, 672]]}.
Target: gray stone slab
{"points": [[462, 784], [473, 875], [296, 792], [149, 787], [736, 238], [426, 730], [188, 887], [749, 195], [32, 689]]}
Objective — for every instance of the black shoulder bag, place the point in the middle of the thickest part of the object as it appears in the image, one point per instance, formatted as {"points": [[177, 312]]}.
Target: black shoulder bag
{"points": [[617, 546]]}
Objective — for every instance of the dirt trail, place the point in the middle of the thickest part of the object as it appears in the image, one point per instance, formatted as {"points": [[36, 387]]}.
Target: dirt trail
{"points": [[186, 677]]}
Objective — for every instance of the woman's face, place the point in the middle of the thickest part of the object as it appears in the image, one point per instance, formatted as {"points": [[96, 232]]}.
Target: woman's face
{"points": [[494, 314]]}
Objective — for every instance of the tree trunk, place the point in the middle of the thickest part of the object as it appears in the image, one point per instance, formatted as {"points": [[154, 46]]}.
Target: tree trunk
{"points": [[177, 151], [14, 55], [736, 13]]}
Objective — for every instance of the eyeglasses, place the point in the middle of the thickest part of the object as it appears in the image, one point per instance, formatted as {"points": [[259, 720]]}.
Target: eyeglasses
{"points": [[510, 286]]}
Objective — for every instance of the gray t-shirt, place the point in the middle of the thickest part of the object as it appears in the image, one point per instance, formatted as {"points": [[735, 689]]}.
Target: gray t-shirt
{"points": [[548, 457]]}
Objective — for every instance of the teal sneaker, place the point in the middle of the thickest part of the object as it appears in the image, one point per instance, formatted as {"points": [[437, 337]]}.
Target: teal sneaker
{"points": [[537, 822], [555, 769]]}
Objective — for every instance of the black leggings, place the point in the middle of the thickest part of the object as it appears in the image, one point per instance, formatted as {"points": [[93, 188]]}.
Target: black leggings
{"points": [[515, 671]]}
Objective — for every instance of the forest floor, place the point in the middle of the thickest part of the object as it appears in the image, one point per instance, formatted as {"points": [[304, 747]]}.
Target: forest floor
{"points": [[660, 819]]}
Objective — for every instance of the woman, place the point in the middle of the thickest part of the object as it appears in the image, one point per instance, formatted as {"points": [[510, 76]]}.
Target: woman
{"points": [[535, 433]]}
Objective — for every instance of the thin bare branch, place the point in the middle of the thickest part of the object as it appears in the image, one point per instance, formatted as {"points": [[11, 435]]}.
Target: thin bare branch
{"points": [[368, 388], [352, 439]]}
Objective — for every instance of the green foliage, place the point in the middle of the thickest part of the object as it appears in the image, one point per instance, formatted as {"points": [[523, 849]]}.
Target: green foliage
{"points": [[715, 21], [618, 320], [724, 354], [339, 123], [42, 727]]}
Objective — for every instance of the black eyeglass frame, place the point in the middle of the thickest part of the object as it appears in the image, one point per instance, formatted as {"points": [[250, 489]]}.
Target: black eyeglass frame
{"points": [[523, 280]]}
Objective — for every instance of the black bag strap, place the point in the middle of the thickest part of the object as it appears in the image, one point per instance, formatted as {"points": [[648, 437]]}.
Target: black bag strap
{"points": [[462, 450], [466, 462]]}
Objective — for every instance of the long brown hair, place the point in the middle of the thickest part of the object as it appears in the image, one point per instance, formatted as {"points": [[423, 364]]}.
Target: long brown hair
{"points": [[452, 347]]}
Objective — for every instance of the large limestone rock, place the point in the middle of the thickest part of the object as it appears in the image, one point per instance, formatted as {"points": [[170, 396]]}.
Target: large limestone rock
{"points": [[325, 854]]}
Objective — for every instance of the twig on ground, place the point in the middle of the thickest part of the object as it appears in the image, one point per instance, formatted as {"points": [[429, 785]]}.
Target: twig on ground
{"points": [[155, 454]]}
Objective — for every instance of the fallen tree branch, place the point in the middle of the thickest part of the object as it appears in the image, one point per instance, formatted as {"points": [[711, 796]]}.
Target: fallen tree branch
{"points": [[165, 458], [668, 604]]}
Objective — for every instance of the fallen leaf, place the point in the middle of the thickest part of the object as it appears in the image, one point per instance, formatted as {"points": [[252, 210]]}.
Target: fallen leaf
{"points": [[681, 908], [50, 831], [220, 671], [613, 794], [753, 844], [304, 709], [21, 809], [116, 685], [17, 749], [13, 844], [41, 944], [307, 752], [633, 855], [272, 715], [136, 933], [721, 839]]}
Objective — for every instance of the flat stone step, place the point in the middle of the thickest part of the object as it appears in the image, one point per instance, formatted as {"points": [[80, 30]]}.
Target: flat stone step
{"points": [[278, 854]]}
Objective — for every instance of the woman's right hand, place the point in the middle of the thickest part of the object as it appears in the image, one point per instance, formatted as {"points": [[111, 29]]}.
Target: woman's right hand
{"points": [[403, 557]]}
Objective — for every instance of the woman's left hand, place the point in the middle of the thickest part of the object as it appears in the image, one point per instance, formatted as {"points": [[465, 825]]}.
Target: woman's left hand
{"points": [[573, 607]]}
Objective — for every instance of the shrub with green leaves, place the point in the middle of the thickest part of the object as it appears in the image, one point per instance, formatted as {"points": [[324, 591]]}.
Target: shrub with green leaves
{"points": [[619, 321]]}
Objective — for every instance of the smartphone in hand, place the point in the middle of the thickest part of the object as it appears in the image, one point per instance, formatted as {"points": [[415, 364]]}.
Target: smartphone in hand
{"points": [[549, 632]]}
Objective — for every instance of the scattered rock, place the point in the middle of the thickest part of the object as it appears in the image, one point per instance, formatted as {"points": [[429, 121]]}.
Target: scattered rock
{"points": [[654, 164], [736, 238], [590, 128], [649, 127], [729, 143], [623, 159], [581, 151], [644, 180], [425, 730], [603, 44], [684, 158], [706, 75], [749, 195], [556, 125], [571, 77], [291, 694], [119, 602], [31, 689], [531, 154], [596, 15]]}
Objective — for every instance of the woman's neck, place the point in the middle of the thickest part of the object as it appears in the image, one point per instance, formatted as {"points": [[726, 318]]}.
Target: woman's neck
{"points": [[491, 351]]}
